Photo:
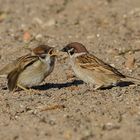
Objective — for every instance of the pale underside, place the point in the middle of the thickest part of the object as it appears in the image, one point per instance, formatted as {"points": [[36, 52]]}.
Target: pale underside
{"points": [[30, 71], [95, 72], [34, 75]]}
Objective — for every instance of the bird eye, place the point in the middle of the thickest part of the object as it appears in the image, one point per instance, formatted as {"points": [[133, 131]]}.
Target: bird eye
{"points": [[71, 51]]}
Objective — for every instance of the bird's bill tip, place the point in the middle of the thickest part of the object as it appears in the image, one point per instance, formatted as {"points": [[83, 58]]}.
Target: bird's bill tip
{"points": [[54, 52], [63, 50]]}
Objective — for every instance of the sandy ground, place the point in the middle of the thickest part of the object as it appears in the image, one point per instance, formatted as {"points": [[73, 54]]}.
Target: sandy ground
{"points": [[63, 108]]}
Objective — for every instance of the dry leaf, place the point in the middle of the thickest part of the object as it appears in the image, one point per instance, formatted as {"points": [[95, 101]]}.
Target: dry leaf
{"points": [[3, 15], [130, 61], [26, 36], [72, 88], [53, 107]]}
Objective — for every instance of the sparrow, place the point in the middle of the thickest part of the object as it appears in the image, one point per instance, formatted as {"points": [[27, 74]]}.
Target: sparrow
{"points": [[31, 69], [92, 70]]}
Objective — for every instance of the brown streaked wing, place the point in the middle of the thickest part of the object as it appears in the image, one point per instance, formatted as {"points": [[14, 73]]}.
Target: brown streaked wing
{"points": [[12, 79], [91, 62], [26, 60], [22, 63]]}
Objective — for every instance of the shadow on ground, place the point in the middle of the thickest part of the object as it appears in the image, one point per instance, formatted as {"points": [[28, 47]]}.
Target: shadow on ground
{"points": [[58, 85], [74, 83]]}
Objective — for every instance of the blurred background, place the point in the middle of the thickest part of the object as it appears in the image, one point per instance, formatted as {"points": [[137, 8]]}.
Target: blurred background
{"points": [[110, 29]]}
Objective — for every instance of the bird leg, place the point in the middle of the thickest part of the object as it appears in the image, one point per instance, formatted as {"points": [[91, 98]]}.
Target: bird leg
{"points": [[23, 88], [98, 87], [30, 91], [94, 87]]}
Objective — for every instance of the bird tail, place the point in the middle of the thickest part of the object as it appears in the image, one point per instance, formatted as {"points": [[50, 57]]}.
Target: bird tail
{"points": [[12, 79], [132, 79]]}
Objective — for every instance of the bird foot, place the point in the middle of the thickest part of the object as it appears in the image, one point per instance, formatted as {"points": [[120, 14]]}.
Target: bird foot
{"points": [[28, 91], [94, 87]]}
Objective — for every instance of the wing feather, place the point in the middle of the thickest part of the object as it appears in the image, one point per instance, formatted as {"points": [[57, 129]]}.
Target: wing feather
{"points": [[22, 64], [88, 61]]}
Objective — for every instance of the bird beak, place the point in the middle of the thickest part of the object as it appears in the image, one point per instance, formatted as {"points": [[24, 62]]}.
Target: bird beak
{"points": [[63, 50], [54, 52]]}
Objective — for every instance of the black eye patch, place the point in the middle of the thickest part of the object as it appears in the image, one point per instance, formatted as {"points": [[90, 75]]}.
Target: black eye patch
{"points": [[72, 52]]}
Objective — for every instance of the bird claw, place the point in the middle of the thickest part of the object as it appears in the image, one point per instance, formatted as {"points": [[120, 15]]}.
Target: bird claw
{"points": [[28, 91]]}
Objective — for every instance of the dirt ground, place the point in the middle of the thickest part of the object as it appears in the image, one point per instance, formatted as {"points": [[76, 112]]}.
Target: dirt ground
{"points": [[63, 108]]}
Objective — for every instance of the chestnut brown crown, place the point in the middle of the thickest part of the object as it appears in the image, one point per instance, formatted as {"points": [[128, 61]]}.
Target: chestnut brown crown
{"points": [[74, 47], [43, 50]]}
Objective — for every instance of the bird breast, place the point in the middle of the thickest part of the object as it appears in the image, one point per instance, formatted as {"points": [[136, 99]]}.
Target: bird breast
{"points": [[35, 74], [81, 73]]}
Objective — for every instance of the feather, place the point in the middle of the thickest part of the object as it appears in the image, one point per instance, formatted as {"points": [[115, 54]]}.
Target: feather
{"points": [[12, 79], [131, 79], [22, 64], [88, 61]]}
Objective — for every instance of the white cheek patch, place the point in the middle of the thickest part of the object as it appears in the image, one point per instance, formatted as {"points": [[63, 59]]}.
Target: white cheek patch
{"points": [[47, 59], [77, 54]]}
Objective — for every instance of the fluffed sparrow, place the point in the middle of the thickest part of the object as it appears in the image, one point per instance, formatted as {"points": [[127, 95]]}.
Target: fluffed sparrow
{"points": [[31, 69], [92, 70]]}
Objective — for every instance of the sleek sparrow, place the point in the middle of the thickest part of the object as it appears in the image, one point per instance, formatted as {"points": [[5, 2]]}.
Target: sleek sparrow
{"points": [[92, 70], [31, 69]]}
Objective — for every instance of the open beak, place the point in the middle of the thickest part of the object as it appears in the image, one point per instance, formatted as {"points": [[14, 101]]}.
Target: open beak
{"points": [[58, 53], [63, 50], [54, 52]]}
